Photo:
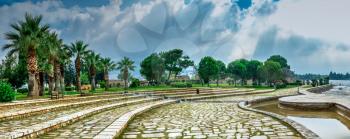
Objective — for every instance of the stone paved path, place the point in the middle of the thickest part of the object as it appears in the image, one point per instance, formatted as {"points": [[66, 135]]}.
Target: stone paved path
{"points": [[10, 125], [207, 120], [91, 126]]}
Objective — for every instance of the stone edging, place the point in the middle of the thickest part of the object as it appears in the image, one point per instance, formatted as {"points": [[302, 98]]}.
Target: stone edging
{"points": [[306, 133], [30, 112], [225, 95], [115, 129], [44, 127]]}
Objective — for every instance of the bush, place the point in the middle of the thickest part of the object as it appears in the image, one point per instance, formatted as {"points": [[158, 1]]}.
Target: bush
{"points": [[279, 86], [102, 84], [7, 94], [23, 90], [70, 88], [135, 83], [181, 85]]}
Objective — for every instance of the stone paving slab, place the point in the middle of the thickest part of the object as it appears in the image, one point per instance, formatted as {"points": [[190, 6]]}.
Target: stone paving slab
{"points": [[91, 126], [206, 120], [20, 113], [117, 127], [41, 128]]}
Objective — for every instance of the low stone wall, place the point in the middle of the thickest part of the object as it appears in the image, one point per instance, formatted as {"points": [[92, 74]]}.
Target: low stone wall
{"points": [[320, 89], [118, 126], [306, 133]]}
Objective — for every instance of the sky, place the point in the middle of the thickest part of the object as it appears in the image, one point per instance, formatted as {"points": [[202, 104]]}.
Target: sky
{"points": [[313, 35]]}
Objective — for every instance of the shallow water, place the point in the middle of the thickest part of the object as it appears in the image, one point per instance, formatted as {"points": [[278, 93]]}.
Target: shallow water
{"points": [[327, 124]]}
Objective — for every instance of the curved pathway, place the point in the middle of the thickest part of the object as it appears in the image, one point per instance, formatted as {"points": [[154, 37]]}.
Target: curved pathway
{"points": [[210, 120]]}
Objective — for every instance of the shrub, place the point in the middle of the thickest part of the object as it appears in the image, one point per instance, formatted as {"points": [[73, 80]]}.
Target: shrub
{"points": [[181, 85], [7, 94], [102, 84], [70, 88], [279, 86], [135, 83], [23, 90]]}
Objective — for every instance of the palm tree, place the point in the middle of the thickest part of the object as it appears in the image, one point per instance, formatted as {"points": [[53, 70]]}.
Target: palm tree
{"points": [[25, 40], [79, 49], [93, 60], [124, 66], [107, 65]]}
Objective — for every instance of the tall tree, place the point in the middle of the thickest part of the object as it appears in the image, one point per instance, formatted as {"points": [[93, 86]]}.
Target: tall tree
{"points": [[271, 71], [152, 68], [222, 71], [252, 70], [238, 68], [208, 69], [107, 65], [125, 65], [79, 49], [175, 61], [279, 59], [25, 40], [93, 60]]}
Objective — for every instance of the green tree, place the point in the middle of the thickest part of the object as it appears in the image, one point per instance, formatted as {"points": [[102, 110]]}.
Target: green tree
{"points": [[222, 71], [271, 72], [79, 49], [126, 65], [175, 61], [152, 68], [238, 68], [208, 69], [252, 70], [25, 40], [279, 59], [93, 61], [107, 65]]}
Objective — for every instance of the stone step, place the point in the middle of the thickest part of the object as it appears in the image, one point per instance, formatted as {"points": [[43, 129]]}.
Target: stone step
{"points": [[20, 113], [190, 92], [116, 128], [41, 128], [207, 94], [91, 126], [15, 104], [249, 92]]}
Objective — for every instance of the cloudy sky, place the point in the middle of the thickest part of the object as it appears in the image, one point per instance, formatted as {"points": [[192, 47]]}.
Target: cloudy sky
{"points": [[313, 35]]}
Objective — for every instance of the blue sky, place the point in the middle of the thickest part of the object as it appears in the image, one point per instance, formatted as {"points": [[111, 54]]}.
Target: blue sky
{"points": [[313, 35]]}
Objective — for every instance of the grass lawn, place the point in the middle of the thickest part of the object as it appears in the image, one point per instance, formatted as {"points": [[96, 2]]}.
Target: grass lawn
{"points": [[23, 96]]}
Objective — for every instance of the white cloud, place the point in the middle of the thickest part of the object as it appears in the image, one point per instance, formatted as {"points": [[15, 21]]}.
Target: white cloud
{"points": [[326, 19]]}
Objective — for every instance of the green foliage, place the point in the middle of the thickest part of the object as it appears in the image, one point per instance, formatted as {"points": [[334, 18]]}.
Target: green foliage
{"points": [[238, 68], [252, 69], [271, 72], [181, 85], [22, 90], [152, 68], [102, 84], [84, 78], [282, 85], [7, 94], [135, 83], [175, 61], [69, 88], [208, 68], [279, 59]]}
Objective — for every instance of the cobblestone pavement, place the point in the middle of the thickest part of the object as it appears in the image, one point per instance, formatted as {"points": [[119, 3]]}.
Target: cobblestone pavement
{"points": [[10, 125], [91, 126], [209, 120]]}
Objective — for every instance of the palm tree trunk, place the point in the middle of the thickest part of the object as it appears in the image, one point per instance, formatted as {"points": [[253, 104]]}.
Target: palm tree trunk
{"points": [[62, 82], [57, 77], [125, 78], [169, 75], [32, 67], [77, 68], [51, 85], [106, 80], [93, 82], [41, 84]]}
